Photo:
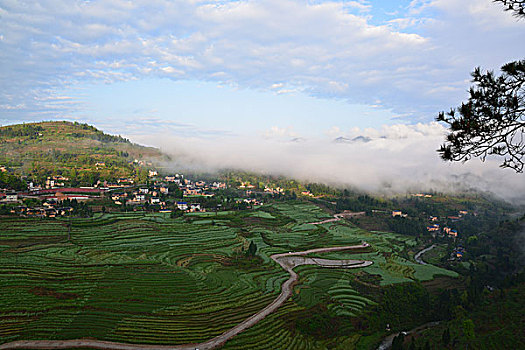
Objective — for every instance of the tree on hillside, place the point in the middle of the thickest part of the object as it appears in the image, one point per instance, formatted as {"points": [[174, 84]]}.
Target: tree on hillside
{"points": [[492, 121], [252, 249]]}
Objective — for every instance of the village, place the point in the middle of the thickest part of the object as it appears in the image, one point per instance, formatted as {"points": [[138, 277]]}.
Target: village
{"points": [[439, 227], [160, 194]]}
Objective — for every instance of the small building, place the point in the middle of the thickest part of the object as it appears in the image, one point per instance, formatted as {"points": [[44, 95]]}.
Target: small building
{"points": [[144, 190], [195, 207], [155, 200], [219, 185], [398, 213], [10, 197], [182, 206], [433, 228]]}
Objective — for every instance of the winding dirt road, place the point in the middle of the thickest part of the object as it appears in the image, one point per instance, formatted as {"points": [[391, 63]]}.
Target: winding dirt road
{"points": [[418, 258], [288, 261], [337, 217]]}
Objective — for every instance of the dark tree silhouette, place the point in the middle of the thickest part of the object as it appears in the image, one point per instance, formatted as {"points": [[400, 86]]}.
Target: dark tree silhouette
{"points": [[515, 6], [492, 121], [252, 249]]}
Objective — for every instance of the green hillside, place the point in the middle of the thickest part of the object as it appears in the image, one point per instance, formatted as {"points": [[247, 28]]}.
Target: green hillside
{"points": [[75, 151]]}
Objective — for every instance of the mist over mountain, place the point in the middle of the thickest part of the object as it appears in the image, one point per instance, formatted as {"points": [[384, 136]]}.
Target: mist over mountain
{"points": [[393, 159]]}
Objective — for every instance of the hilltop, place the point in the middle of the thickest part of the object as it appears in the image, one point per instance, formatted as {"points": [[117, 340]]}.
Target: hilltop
{"points": [[72, 150]]}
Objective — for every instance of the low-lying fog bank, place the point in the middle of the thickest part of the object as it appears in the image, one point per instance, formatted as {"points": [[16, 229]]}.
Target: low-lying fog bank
{"points": [[394, 159]]}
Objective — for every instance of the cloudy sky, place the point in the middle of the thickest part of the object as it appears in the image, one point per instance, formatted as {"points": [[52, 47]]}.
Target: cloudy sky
{"points": [[178, 72]]}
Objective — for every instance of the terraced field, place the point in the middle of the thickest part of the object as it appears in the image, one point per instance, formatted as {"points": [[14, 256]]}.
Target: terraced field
{"points": [[150, 279], [388, 262]]}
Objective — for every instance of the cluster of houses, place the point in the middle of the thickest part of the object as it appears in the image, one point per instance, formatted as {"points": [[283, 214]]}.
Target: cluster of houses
{"points": [[153, 195], [250, 201], [270, 190], [141, 196], [47, 210], [189, 208], [54, 181], [245, 185], [435, 228], [198, 188], [123, 191], [52, 200], [422, 195]]}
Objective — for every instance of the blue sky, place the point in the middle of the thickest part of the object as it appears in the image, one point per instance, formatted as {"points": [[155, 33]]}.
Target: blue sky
{"points": [[206, 108], [203, 67]]}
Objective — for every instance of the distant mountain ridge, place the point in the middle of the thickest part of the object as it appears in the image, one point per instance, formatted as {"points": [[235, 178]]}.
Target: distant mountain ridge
{"points": [[343, 139]]}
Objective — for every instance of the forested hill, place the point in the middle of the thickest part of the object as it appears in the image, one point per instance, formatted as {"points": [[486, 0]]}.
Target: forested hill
{"points": [[73, 150]]}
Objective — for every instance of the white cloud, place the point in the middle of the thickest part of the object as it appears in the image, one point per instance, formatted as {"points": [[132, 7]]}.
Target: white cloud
{"points": [[416, 64], [277, 133]]}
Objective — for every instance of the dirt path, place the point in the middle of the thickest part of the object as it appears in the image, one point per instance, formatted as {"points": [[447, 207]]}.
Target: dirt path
{"points": [[387, 341], [324, 221], [288, 261], [417, 257], [344, 215]]}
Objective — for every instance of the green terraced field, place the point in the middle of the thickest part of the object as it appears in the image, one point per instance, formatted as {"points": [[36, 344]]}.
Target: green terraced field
{"points": [[146, 278]]}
